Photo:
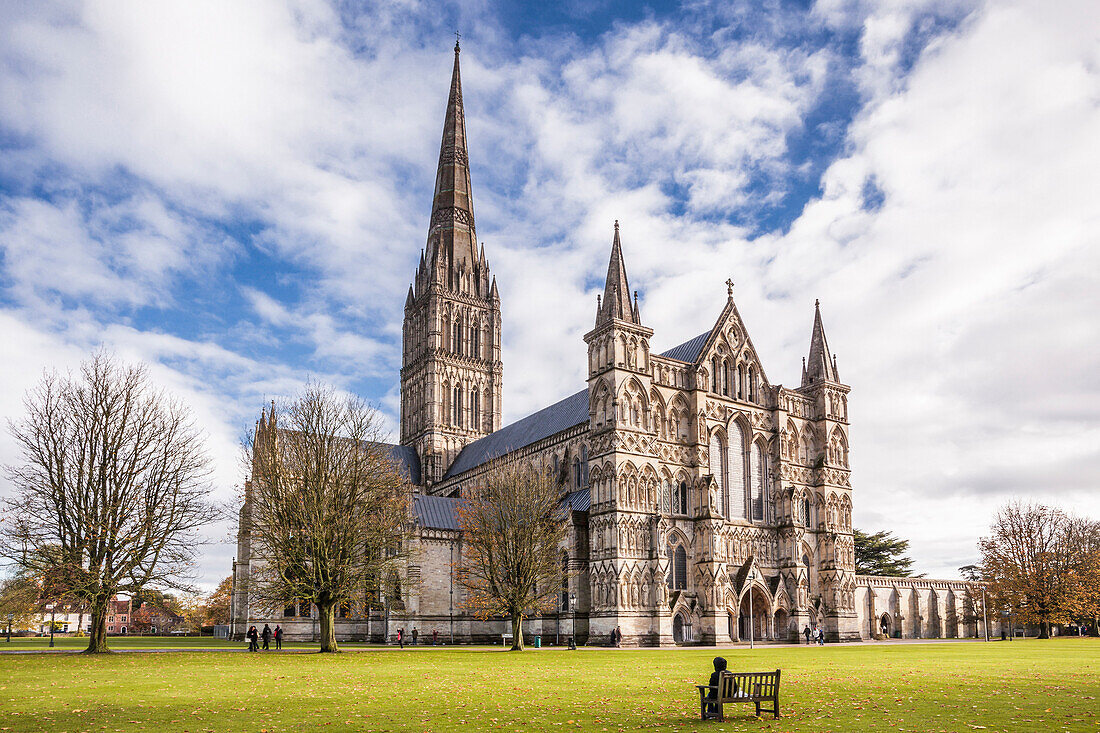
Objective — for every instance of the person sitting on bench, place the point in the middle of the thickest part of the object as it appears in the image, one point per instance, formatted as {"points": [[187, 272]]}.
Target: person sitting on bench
{"points": [[715, 678]]}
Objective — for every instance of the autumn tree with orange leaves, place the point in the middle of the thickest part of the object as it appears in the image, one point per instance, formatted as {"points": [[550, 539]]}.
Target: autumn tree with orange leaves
{"points": [[1042, 565], [513, 529]]}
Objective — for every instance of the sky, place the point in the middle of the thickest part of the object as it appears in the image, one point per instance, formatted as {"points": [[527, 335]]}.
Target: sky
{"points": [[237, 194]]}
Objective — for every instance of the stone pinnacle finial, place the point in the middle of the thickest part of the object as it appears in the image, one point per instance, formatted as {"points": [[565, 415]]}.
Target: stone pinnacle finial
{"points": [[458, 37], [729, 287]]}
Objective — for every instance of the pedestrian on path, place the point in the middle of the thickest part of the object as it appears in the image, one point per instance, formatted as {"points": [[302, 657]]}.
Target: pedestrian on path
{"points": [[435, 636], [618, 637], [416, 635], [278, 637], [253, 639], [401, 638], [266, 635], [806, 632]]}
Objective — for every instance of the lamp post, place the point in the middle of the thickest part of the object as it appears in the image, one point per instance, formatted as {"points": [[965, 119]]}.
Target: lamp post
{"points": [[50, 608], [752, 579], [985, 615], [573, 630]]}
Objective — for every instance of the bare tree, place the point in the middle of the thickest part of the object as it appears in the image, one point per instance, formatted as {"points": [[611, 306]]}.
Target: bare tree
{"points": [[328, 505], [512, 533], [1041, 564], [112, 489]]}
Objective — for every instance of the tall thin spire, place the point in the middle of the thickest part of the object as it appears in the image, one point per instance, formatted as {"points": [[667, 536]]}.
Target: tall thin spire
{"points": [[820, 365], [452, 240], [616, 290]]}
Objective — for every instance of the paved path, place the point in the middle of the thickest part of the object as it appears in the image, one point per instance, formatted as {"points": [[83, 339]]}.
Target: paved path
{"points": [[428, 648]]}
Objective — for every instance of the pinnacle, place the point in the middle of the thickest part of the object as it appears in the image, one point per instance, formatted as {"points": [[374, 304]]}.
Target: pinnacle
{"points": [[821, 364], [616, 294]]}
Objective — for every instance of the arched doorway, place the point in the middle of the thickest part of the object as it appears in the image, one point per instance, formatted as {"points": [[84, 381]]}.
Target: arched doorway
{"points": [[761, 611], [782, 625], [681, 629], [731, 630], [884, 624]]}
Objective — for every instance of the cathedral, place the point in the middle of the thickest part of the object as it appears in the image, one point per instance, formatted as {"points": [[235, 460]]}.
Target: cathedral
{"points": [[706, 504]]}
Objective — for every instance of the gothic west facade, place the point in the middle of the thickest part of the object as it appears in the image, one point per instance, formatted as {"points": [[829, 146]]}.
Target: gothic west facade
{"points": [[698, 488]]}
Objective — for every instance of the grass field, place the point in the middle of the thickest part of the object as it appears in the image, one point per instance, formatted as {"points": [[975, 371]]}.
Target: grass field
{"points": [[1000, 686]]}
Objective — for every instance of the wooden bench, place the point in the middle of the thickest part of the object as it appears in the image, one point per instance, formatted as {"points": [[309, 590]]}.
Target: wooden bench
{"points": [[754, 687]]}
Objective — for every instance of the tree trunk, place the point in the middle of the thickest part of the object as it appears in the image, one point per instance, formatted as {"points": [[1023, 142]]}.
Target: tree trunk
{"points": [[517, 632], [1044, 629], [97, 635], [326, 611]]}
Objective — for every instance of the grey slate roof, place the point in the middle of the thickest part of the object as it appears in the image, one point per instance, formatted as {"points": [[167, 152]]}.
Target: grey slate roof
{"points": [[567, 413], [689, 350], [408, 459], [436, 512], [579, 501]]}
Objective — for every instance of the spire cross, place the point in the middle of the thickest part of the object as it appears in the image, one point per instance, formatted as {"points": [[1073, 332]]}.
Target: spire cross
{"points": [[729, 287], [458, 38]]}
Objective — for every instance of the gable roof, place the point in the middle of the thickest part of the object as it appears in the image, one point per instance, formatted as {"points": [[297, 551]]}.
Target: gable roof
{"points": [[567, 413], [689, 350]]}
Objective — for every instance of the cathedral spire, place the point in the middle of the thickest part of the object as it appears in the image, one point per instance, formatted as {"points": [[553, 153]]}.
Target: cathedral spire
{"points": [[616, 291], [452, 240], [821, 364]]}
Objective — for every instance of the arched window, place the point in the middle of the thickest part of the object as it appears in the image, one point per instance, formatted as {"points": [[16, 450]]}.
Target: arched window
{"points": [[456, 332], [752, 385], [475, 409], [808, 511], [679, 499], [584, 464], [759, 471], [577, 473], [718, 470], [564, 582], [456, 406], [726, 378], [475, 342], [680, 568], [736, 489], [714, 374], [740, 381]]}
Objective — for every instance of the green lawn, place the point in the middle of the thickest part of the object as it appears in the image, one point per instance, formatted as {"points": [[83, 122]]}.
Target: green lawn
{"points": [[1000, 686]]}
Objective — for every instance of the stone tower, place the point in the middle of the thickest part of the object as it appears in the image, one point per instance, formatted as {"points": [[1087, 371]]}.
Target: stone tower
{"points": [[451, 370], [622, 518], [830, 521]]}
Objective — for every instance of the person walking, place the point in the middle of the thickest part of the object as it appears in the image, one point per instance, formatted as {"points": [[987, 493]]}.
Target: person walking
{"points": [[618, 637], [253, 639], [266, 636], [278, 637], [401, 638], [435, 636], [416, 635], [820, 636], [806, 632]]}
